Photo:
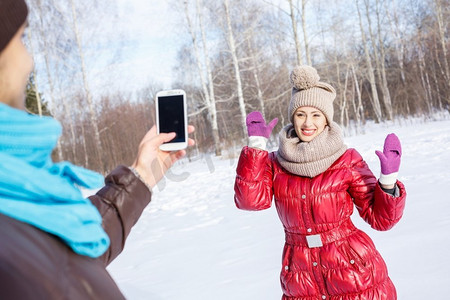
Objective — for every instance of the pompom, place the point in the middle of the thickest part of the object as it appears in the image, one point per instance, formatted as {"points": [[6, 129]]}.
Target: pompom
{"points": [[304, 77]]}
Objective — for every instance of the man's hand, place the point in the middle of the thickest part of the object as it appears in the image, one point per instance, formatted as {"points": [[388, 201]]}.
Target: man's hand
{"points": [[151, 162]]}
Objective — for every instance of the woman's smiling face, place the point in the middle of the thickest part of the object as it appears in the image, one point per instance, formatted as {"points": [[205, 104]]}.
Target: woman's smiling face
{"points": [[309, 122]]}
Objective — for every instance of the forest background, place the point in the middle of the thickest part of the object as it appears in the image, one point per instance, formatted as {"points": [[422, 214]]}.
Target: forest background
{"points": [[388, 60]]}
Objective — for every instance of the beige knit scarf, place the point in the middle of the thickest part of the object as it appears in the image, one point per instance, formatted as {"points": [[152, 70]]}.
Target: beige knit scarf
{"points": [[310, 158]]}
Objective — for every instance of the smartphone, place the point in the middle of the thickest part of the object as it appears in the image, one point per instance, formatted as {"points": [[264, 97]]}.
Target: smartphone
{"points": [[171, 116]]}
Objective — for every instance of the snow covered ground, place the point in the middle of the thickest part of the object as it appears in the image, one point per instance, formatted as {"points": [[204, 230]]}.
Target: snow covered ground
{"points": [[193, 243]]}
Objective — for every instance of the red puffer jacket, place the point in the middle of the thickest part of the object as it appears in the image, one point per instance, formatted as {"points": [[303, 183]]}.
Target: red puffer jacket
{"points": [[316, 211]]}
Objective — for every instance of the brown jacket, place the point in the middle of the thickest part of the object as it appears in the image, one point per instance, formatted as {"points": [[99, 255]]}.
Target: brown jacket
{"points": [[37, 265]]}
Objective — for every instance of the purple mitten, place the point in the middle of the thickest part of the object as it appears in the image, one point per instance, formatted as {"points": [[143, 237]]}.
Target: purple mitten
{"points": [[256, 125], [390, 159]]}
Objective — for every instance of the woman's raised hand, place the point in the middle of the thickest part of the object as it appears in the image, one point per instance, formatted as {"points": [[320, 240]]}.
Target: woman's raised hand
{"points": [[390, 160], [256, 125]]}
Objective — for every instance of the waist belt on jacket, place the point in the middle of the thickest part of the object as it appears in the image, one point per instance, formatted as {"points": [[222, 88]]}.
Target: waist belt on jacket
{"points": [[318, 240]]}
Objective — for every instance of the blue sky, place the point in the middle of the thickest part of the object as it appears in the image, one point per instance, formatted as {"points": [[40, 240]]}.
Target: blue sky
{"points": [[148, 34], [124, 53], [152, 41]]}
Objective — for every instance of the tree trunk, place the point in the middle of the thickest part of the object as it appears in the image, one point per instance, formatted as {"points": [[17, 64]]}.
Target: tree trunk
{"points": [[69, 116], [375, 100], [384, 83], [294, 29], [373, 42], [83, 140], [441, 26], [342, 107], [359, 110], [259, 93], [51, 102], [339, 90], [213, 110], [33, 82], [209, 104], [237, 74], [378, 63], [435, 79], [399, 41], [93, 114], [355, 110], [305, 36], [399, 46], [423, 74]]}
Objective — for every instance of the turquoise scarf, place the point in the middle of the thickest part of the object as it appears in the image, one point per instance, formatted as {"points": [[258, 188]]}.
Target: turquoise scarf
{"points": [[44, 194]]}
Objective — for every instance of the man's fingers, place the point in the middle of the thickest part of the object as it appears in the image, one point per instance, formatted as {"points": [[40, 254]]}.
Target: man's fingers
{"points": [[177, 155], [172, 157], [191, 129], [149, 135], [163, 138]]}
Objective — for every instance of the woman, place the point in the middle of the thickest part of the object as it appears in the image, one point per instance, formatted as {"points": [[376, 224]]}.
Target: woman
{"points": [[315, 181], [54, 243]]}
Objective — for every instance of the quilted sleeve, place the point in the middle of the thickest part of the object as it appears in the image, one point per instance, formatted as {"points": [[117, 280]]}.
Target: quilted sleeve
{"points": [[253, 184], [378, 208], [120, 203]]}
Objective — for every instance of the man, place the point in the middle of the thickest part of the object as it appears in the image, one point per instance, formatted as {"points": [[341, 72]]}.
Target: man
{"points": [[54, 244]]}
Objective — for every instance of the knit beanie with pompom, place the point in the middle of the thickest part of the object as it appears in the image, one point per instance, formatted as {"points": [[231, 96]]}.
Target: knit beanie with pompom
{"points": [[307, 90], [13, 14]]}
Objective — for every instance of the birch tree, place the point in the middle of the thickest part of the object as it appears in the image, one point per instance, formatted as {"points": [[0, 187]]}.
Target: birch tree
{"points": [[39, 26], [305, 35], [90, 102], [379, 61], [32, 81], [206, 81], [251, 19], [295, 32], [441, 20], [370, 71], [358, 108], [255, 71], [344, 105], [423, 72], [399, 43], [386, 93], [212, 97], [237, 74]]}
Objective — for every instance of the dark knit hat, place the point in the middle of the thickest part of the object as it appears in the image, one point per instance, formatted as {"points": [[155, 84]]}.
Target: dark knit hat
{"points": [[307, 90], [13, 14]]}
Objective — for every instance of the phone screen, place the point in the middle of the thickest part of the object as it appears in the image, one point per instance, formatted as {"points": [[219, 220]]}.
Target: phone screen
{"points": [[171, 116]]}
